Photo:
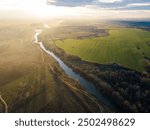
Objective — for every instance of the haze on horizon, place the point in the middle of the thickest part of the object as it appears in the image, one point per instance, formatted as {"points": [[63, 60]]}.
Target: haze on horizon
{"points": [[99, 9]]}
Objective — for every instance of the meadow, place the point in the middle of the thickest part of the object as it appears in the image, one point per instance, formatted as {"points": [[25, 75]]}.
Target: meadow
{"points": [[129, 47], [27, 79]]}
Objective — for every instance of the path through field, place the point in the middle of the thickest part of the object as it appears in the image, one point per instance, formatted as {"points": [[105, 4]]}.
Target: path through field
{"points": [[4, 103]]}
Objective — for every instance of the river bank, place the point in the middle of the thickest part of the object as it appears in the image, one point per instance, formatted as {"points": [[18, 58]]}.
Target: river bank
{"points": [[117, 83], [72, 75]]}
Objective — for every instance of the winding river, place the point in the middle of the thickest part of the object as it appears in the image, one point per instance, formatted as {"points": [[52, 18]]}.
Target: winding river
{"points": [[87, 85]]}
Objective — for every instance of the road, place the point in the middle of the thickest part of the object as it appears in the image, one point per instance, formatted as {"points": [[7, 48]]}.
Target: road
{"points": [[4, 103]]}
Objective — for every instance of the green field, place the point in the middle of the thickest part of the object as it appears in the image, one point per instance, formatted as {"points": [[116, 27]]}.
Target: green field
{"points": [[126, 46]]}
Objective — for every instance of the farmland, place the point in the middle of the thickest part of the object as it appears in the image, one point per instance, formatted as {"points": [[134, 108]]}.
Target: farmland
{"points": [[116, 60], [106, 57], [74, 56], [32, 81], [126, 46]]}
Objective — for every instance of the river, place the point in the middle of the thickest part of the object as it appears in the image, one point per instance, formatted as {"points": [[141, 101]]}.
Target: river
{"points": [[87, 85]]}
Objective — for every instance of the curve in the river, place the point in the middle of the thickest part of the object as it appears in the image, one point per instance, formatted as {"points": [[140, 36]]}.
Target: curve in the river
{"points": [[88, 86]]}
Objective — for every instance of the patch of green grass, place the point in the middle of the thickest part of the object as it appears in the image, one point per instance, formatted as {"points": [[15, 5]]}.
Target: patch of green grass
{"points": [[121, 46]]}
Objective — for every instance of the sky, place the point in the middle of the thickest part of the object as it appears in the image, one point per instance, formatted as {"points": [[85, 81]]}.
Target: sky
{"points": [[104, 9], [106, 4]]}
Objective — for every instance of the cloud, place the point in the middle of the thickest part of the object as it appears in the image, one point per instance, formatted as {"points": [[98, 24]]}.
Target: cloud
{"points": [[109, 1], [70, 2], [107, 4], [107, 9], [138, 4], [103, 9]]}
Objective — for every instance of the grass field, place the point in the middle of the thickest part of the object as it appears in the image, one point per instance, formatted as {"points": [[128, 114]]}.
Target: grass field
{"points": [[126, 46], [27, 82]]}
